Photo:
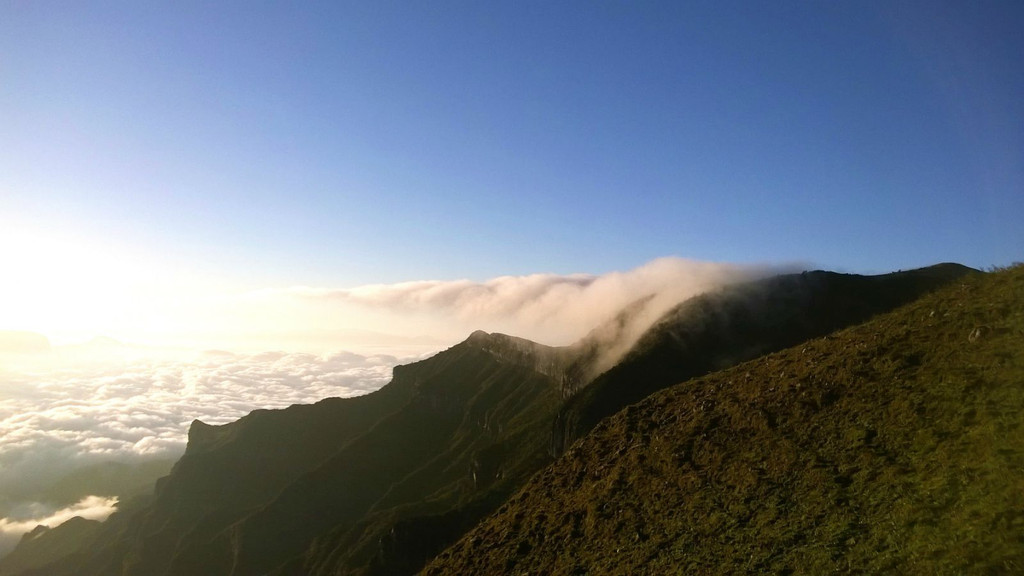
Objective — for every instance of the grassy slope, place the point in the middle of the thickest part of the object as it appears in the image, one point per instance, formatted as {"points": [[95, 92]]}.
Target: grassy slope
{"points": [[893, 447]]}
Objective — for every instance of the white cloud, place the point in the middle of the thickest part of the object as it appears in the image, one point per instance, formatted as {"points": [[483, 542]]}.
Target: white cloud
{"points": [[550, 308], [52, 423], [31, 514]]}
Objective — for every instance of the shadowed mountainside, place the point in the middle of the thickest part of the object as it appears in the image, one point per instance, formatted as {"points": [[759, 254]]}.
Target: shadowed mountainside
{"points": [[471, 430], [380, 484], [892, 447], [311, 488]]}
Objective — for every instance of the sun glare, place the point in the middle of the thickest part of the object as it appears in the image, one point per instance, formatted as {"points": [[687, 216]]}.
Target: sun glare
{"points": [[61, 287], [73, 289]]}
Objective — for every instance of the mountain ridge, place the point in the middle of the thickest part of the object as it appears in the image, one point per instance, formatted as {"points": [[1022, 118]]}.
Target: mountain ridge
{"points": [[894, 446], [736, 323], [463, 430]]}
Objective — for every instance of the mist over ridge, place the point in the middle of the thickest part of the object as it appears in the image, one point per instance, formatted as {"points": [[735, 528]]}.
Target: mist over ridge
{"points": [[554, 309]]}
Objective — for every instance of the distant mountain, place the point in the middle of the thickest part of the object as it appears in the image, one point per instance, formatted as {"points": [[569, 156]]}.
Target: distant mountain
{"points": [[21, 342], [380, 484], [121, 479], [44, 545], [895, 447]]}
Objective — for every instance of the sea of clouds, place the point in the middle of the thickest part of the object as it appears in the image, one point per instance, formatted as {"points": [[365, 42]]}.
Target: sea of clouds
{"points": [[54, 421]]}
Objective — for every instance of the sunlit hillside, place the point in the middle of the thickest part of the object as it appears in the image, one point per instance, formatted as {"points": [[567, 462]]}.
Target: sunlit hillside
{"points": [[892, 447]]}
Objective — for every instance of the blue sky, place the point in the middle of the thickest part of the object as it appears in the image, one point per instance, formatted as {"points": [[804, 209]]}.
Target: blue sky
{"points": [[347, 143]]}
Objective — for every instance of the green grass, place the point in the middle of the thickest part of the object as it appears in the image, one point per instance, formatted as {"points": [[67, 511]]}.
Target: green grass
{"points": [[895, 446]]}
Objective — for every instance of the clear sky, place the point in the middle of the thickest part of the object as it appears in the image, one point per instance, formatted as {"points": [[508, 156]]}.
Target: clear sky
{"points": [[341, 144]]}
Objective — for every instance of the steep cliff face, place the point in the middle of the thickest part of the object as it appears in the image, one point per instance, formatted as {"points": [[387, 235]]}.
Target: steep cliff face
{"points": [[228, 470], [546, 360], [736, 323], [471, 416]]}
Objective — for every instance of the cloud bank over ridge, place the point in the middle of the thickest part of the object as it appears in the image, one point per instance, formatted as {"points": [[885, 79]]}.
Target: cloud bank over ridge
{"points": [[550, 308], [28, 516]]}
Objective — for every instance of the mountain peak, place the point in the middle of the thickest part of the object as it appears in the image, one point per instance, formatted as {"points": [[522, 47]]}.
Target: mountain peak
{"points": [[547, 360], [201, 436], [492, 339]]}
